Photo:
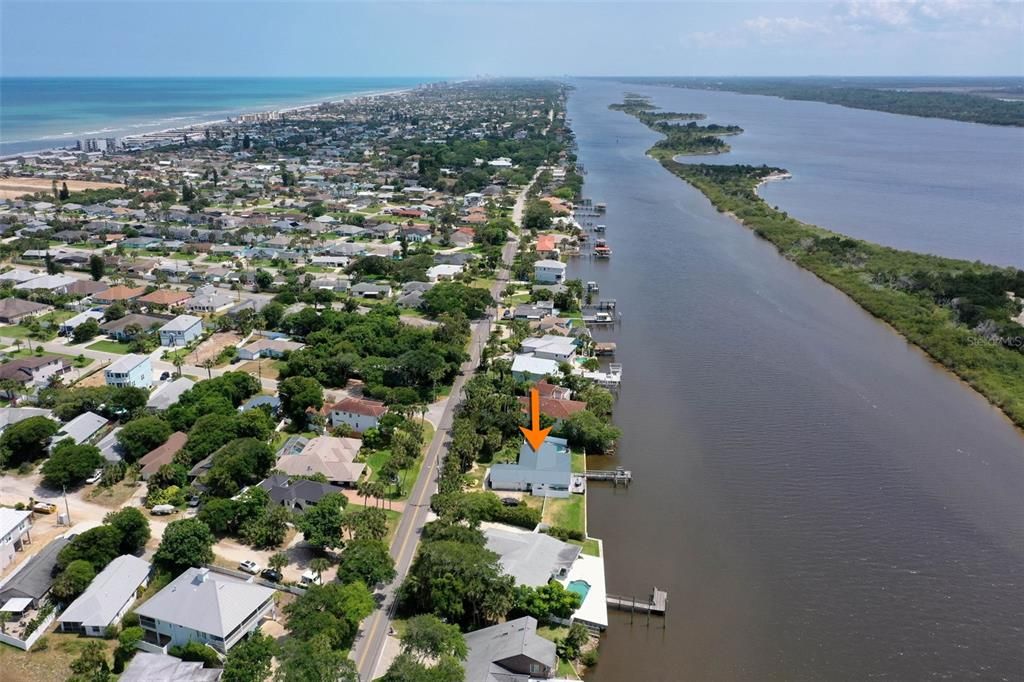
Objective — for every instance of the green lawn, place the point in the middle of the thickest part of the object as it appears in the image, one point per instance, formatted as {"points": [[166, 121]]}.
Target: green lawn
{"points": [[553, 634], [569, 513], [393, 518], [579, 462], [13, 331], [107, 346], [75, 361], [590, 546], [408, 476]]}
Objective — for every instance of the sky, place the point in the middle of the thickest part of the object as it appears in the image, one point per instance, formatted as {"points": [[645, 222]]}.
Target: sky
{"points": [[504, 38]]}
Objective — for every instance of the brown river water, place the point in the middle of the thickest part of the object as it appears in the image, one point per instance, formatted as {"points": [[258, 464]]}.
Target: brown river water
{"points": [[820, 501]]}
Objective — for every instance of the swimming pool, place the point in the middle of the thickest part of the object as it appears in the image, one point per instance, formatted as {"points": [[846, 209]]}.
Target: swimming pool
{"points": [[580, 587]]}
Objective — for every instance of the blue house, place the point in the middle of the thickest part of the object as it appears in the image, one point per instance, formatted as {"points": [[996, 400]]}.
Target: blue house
{"points": [[181, 330], [131, 370], [545, 473]]}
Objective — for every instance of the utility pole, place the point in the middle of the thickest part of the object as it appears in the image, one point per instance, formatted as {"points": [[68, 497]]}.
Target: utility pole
{"points": [[67, 509]]}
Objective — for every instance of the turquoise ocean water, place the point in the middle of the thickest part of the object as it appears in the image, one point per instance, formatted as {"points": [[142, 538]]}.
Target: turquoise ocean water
{"points": [[44, 113]]}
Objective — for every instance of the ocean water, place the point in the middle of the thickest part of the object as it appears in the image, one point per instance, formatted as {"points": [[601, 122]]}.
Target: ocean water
{"points": [[45, 113]]}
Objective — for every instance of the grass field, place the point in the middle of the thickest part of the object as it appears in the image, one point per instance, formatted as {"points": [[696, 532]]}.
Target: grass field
{"points": [[106, 346], [13, 331], [49, 664], [569, 513], [408, 476]]}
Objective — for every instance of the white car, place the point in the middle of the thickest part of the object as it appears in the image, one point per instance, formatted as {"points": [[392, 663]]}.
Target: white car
{"points": [[96, 476], [249, 567]]}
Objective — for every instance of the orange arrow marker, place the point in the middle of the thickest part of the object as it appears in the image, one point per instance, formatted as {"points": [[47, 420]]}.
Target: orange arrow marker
{"points": [[535, 435]]}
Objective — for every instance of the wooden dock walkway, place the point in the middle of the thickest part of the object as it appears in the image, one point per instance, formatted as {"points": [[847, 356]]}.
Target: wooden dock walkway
{"points": [[616, 476], [656, 604]]}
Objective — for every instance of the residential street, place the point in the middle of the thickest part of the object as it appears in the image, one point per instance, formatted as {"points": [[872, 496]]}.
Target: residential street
{"points": [[374, 635]]}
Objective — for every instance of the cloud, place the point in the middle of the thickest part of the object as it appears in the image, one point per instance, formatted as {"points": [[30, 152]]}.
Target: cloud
{"points": [[930, 15], [861, 17]]}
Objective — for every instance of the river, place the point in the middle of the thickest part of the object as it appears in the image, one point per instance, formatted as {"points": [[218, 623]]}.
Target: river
{"points": [[819, 500]]}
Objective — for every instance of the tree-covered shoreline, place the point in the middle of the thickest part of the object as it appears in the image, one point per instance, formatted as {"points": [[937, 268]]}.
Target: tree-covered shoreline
{"points": [[909, 98], [957, 311]]}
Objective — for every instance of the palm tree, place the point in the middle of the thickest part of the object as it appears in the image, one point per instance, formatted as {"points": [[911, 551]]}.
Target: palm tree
{"points": [[278, 561], [364, 488], [208, 366], [178, 362], [318, 566]]}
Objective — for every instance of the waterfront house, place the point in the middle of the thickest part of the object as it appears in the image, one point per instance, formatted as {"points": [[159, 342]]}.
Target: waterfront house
{"points": [[15, 533], [130, 370], [526, 367], [533, 559], [204, 606], [108, 597], [549, 272], [510, 652], [14, 310], [181, 330], [559, 410], [546, 472], [358, 414], [551, 347]]}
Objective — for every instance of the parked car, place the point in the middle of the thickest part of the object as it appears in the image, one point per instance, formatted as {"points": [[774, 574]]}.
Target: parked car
{"points": [[249, 567], [96, 476], [271, 575], [163, 510], [310, 578], [44, 508], [193, 501], [510, 501], [165, 376]]}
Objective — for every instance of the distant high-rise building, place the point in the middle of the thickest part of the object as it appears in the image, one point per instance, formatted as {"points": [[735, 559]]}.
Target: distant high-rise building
{"points": [[111, 144], [89, 144]]}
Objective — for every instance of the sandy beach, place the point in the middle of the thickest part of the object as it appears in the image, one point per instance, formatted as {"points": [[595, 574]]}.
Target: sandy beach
{"points": [[14, 188]]}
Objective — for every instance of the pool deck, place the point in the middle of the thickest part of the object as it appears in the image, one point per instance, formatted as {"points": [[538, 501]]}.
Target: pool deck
{"points": [[590, 569]]}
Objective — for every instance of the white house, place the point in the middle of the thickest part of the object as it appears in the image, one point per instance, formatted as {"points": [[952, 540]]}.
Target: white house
{"points": [[14, 530], [181, 330], [68, 326], [549, 272], [357, 413], [108, 597], [131, 370], [205, 606], [551, 347], [530, 368], [443, 272]]}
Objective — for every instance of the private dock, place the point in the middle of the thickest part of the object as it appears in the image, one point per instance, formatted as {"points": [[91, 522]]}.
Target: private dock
{"points": [[656, 604], [617, 476], [604, 348]]}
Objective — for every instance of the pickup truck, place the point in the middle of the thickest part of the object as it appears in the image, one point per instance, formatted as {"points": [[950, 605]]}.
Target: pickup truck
{"points": [[44, 508]]}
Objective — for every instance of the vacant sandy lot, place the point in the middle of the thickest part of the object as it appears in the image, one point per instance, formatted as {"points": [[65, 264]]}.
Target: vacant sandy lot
{"points": [[12, 188], [211, 347]]}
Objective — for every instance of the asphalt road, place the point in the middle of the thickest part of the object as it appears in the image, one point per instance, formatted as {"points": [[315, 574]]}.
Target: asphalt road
{"points": [[370, 645]]}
